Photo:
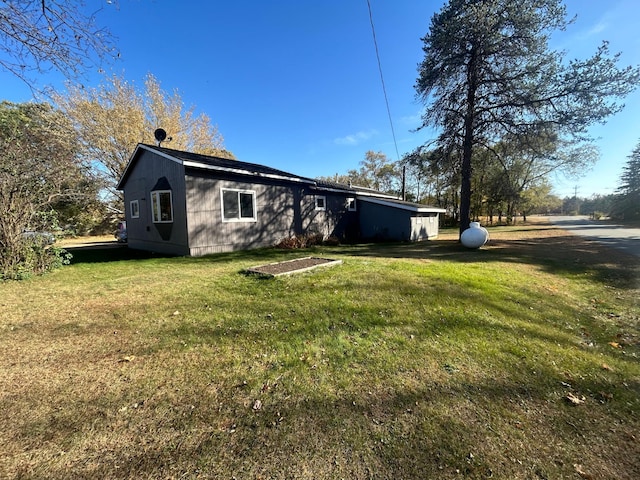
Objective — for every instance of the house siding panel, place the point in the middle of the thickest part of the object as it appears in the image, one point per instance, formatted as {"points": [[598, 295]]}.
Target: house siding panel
{"points": [[424, 226], [380, 222], [334, 221], [142, 233], [278, 214]]}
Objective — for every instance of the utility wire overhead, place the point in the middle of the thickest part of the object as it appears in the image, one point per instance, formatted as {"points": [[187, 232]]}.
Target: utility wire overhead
{"points": [[384, 88]]}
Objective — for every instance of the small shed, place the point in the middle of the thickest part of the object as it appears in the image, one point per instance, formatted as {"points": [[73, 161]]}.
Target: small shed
{"points": [[390, 219]]}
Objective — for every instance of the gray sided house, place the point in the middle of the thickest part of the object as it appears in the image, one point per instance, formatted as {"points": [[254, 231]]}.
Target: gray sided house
{"points": [[184, 203]]}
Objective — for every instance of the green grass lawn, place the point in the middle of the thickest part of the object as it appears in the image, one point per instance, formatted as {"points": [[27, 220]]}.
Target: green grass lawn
{"points": [[519, 360]]}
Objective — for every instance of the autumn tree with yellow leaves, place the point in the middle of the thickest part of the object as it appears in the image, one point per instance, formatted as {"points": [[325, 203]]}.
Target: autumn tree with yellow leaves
{"points": [[114, 117]]}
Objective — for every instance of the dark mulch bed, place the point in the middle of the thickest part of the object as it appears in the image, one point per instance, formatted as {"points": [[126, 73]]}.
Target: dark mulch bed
{"points": [[292, 266]]}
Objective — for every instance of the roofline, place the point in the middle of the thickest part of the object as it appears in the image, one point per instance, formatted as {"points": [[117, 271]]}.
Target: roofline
{"points": [[373, 197], [239, 171], [161, 153], [125, 174], [376, 195], [203, 166], [353, 191], [403, 206], [332, 189]]}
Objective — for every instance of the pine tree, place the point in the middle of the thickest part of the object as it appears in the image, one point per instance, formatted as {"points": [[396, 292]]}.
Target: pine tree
{"points": [[488, 73], [628, 204]]}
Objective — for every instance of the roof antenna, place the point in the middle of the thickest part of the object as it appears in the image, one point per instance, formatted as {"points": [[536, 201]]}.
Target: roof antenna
{"points": [[161, 136]]}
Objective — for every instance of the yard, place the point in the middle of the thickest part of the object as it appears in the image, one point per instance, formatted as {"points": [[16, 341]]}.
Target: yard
{"points": [[517, 361]]}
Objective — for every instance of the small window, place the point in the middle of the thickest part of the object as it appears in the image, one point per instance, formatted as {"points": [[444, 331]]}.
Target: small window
{"points": [[238, 205], [321, 202], [162, 206], [134, 209], [351, 204]]}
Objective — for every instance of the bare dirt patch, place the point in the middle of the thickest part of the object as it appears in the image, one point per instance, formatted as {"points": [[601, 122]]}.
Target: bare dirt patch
{"points": [[292, 266]]}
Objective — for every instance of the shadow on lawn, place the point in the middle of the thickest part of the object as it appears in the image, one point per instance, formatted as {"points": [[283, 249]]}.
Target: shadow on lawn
{"points": [[555, 254], [561, 254], [113, 252], [107, 252]]}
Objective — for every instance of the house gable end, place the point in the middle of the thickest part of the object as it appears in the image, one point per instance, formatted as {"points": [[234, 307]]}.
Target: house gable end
{"points": [[137, 153]]}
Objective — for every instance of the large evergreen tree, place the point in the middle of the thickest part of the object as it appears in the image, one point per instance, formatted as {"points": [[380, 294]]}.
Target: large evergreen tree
{"points": [[627, 205], [488, 72]]}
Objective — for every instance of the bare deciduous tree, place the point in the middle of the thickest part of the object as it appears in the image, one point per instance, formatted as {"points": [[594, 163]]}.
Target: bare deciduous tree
{"points": [[38, 167], [37, 36], [376, 171]]}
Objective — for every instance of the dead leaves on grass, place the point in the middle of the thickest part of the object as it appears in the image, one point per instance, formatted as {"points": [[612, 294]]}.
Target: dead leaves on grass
{"points": [[574, 400], [133, 406], [581, 471]]}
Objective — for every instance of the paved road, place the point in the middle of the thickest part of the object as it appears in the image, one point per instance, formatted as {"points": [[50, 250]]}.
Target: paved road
{"points": [[612, 235]]}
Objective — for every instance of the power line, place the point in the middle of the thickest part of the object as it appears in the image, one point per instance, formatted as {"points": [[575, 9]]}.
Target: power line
{"points": [[384, 88]]}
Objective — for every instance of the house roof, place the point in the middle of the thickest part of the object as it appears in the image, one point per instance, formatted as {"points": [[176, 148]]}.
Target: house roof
{"points": [[328, 185], [395, 203], [212, 163], [209, 162]]}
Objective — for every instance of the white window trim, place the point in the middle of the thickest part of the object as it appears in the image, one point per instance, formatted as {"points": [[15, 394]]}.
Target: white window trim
{"points": [[137, 210], [351, 204], [239, 219], [324, 202], [159, 216]]}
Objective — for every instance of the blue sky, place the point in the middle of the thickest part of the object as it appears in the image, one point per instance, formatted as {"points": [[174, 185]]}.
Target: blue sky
{"points": [[294, 84]]}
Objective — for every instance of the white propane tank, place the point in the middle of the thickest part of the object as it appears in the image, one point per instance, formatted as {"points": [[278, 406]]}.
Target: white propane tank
{"points": [[475, 236]]}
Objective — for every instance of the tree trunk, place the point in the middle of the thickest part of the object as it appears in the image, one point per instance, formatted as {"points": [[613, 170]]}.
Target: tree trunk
{"points": [[511, 213], [467, 145]]}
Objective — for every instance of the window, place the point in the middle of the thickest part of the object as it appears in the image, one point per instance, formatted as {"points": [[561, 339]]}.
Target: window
{"points": [[351, 204], [134, 209], [238, 205], [321, 202], [162, 206]]}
